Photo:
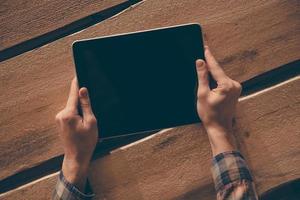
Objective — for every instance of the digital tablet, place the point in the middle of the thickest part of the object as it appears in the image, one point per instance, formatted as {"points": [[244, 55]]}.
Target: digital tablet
{"points": [[141, 81]]}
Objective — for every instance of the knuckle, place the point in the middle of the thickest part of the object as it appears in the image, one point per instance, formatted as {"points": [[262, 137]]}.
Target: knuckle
{"points": [[232, 85], [201, 94], [85, 105], [66, 118], [226, 87], [58, 117], [238, 85], [92, 121]]}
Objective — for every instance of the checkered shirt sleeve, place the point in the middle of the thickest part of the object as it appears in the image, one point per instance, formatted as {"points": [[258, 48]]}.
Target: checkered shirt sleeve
{"points": [[232, 177], [66, 191]]}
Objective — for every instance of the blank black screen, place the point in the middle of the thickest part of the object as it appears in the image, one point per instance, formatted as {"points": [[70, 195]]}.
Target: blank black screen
{"points": [[141, 81]]}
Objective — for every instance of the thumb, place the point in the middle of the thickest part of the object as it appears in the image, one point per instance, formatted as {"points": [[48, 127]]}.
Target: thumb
{"points": [[202, 72], [85, 103]]}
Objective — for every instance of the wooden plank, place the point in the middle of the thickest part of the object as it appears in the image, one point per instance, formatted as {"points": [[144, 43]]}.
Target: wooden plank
{"points": [[175, 163], [34, 86], [39, 189], [23, 20], [272, 141]]}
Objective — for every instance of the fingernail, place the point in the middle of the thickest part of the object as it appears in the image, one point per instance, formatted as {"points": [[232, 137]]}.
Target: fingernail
{"points": [[200, 63], [84, 92]]}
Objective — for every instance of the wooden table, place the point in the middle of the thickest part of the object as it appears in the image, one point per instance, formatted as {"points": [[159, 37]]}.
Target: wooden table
{"points": [[256, 42]]}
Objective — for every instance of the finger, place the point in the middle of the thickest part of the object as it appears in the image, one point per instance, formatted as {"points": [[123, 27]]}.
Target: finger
{"points": [[85, 104], [73, 96], [203, 82], [213, 66]]}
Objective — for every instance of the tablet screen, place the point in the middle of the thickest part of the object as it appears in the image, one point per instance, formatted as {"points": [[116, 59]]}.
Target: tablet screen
{"points": [[141, 81]]}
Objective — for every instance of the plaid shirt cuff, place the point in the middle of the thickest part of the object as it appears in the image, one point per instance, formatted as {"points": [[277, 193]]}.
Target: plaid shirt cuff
{"points": [[66, 191], [229, 167]]}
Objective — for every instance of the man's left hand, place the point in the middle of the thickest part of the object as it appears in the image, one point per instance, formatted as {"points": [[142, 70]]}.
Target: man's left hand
{"points": [[79, 135]]}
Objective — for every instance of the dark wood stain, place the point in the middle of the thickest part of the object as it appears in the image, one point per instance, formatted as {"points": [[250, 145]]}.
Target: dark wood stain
{"points": [[241, 56], [165, 143]]}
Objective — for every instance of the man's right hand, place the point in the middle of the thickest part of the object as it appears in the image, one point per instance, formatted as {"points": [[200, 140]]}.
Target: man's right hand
{"points": [[216, 107]]}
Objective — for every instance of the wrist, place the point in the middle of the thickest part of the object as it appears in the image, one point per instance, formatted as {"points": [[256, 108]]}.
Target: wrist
{"points": [[75, 173], [218, 129], [220, 138]]}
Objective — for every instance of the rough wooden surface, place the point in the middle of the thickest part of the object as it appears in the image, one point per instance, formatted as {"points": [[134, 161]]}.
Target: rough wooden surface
{"points": [[268, 127], [38, 190], [23, 20], [175, 163], [34, 85]]}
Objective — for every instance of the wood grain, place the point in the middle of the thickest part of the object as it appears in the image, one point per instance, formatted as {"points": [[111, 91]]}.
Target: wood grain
{"points": [[34, 86], [175, 163], [23, 20], [272, 142], [40, 189]]}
